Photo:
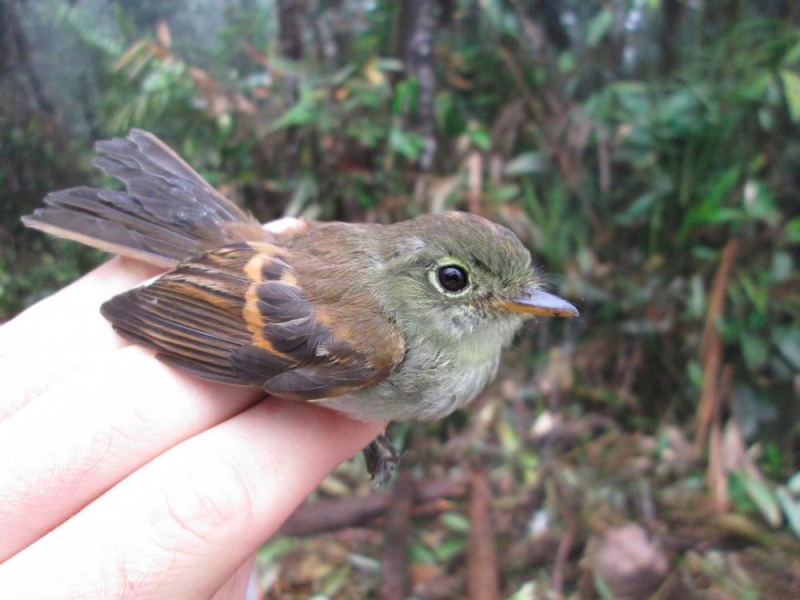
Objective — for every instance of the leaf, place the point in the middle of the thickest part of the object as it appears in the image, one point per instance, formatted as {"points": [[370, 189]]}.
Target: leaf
{"points": [[791, 231], [677, 107], [791, 91], [450, 549], [405, 97], [755, 88], [788, 342], [711, 208], [334, 581], [723, 186], [782, 266], [502, 193], [341, 76], [791, 509], [602, 588], [362, 562], [525, 164], [155, 82], [764, 499], [390, 64], [759, 202], [480, 137], [274, 549], [508, 437], [755, 351], [637, 209], [792, 55], [599, 27], [373, 73], [706, 214], [406, 143], [455, 522], [696, 302], [420, 554], [305, 111], [129, 55], [793, 485], [527, 591], [566, 62]]}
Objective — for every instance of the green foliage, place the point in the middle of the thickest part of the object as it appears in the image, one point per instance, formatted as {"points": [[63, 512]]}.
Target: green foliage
{"points": [[58, 264]]}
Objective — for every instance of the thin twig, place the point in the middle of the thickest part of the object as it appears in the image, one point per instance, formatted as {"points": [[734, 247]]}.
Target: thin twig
{"points": [[482, 575], [395, 579], [564, 548], [711, 344]]}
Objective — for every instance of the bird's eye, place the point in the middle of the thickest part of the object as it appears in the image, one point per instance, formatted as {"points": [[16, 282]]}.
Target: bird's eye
{"points": [[452, 278]]}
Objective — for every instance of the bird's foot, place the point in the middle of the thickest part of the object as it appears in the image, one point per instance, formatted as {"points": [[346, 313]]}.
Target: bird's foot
{"points": [[382, 459]]}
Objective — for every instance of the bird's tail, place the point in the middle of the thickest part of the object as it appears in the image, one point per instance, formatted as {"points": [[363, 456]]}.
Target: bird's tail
{"points": [[167, 213]]}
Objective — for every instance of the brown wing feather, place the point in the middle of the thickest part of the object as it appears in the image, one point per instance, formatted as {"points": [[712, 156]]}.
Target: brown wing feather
{"points": [[238, 315], [190, 316], [167, 213]]}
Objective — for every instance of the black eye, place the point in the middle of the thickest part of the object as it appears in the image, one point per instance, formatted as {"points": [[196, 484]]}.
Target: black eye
{"points": [[452, 278]]}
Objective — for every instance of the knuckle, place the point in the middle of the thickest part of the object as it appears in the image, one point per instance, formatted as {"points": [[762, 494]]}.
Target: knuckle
{"points": [[201, 512]]}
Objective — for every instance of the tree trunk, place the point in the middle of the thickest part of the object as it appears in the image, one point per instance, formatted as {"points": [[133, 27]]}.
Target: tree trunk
{"points": [[548, 13], [668, 36], [418, 34], [31, 141], [290, 41], [290, 38]]}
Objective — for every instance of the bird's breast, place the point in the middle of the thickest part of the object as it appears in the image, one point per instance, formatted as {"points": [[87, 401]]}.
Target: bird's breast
{"points": [[426, 386]]}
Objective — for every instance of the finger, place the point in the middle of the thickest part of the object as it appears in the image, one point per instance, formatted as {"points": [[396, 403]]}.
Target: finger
{"points": [[181, 525], [237, 584], [91, 431], [62, 333]]}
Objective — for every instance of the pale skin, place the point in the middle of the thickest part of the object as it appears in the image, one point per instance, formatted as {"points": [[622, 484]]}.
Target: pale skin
{"points": [[120, 476]]}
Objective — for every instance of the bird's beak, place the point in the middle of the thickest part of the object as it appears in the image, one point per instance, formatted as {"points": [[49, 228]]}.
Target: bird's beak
{"points": [[537, 302]]}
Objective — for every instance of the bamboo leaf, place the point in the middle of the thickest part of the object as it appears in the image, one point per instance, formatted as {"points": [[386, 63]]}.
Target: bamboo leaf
{"points": [[764, 499], [791, 91]]}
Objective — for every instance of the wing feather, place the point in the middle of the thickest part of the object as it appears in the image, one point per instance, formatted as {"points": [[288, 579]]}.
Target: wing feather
{"points": [[238, 315]]}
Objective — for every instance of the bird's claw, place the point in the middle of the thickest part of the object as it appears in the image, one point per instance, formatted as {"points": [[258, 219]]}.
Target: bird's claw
{"points": [[382, 459]]}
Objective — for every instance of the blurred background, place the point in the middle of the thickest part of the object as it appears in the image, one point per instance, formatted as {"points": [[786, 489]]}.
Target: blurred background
{"points": [[646, 151]]}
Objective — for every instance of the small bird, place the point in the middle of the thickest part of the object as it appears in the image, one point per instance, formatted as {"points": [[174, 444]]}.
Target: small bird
{"points": [[379, 322]]}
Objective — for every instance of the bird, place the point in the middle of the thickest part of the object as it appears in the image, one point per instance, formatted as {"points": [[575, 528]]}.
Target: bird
{"points": [[405, 321]]}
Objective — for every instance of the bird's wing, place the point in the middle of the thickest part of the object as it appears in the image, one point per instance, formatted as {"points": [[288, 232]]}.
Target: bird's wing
{"points": [[167, 213], [239, 315]]}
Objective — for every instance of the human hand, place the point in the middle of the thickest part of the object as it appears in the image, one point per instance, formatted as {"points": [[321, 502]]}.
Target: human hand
{"points": [[120, 475]]}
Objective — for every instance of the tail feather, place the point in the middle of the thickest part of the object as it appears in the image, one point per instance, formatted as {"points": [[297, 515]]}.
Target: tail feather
{"points": [[167, 213]]}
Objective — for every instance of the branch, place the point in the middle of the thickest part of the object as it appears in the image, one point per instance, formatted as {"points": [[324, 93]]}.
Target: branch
{"points": [[331, 515]]}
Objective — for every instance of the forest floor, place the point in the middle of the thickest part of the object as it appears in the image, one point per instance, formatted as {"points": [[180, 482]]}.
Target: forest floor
{"points": [[523, 503]]}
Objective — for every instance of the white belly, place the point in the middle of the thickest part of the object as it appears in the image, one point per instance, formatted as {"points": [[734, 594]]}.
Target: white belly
{"points": [[418, 391]]}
